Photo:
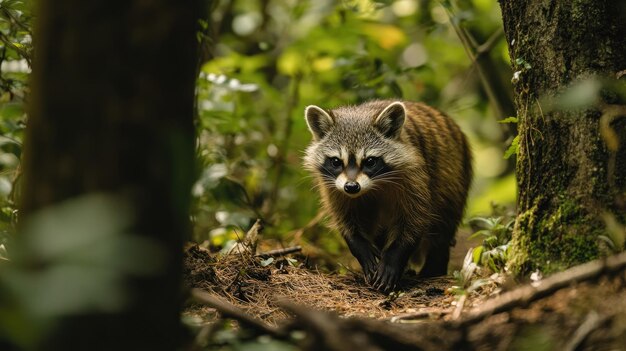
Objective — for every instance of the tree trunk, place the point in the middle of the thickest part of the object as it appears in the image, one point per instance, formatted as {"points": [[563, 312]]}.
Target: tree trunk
{"points": [[112, 112], [567, 175]]}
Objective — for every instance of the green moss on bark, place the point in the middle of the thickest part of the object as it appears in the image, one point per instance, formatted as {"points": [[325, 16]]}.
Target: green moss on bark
{"points": [[558, 239]]}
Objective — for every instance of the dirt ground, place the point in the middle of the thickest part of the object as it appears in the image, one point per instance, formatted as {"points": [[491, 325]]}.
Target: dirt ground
{"points": [[583, 316]]}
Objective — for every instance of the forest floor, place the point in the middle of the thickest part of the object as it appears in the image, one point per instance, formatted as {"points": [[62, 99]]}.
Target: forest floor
{"points": [[587, 313]]}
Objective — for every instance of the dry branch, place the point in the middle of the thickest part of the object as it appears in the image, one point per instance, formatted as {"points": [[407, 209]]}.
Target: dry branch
{"points": [[329, 332], [423, 315], [252, 236], [230, 311], [526, 294], [249, 243], [279, 252]]}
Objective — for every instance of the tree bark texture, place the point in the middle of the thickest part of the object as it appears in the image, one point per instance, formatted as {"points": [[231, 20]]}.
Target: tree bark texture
{"points": [[567, 176], [112, 112]]}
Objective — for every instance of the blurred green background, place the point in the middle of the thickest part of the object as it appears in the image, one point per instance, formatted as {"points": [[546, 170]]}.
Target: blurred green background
{"points": [[263, 62]]}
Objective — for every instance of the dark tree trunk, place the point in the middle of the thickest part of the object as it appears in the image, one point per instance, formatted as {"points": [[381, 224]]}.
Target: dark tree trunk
{"points": [[112, 112], [567, 175]]}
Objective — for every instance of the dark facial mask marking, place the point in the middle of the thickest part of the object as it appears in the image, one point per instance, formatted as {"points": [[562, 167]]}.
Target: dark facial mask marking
{"points": [[332, 167], [374, 166]]}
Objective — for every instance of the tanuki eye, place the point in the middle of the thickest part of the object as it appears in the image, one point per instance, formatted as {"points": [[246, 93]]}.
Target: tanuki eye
{"points": [[336, 162], [370, 162]]}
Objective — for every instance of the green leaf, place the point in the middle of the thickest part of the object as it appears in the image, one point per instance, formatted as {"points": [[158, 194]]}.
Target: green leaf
{"points": [[477, 254], [476, 284], [490, 241], [481, 222], [267, 261], [292, 261], [11, 111], [512, 119], [483, 232], [521, 62], [513, 149]]}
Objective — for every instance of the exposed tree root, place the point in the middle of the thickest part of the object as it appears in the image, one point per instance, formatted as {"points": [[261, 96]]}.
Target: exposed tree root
{"points": [[229, 310], [523, 295], [328, 332]]}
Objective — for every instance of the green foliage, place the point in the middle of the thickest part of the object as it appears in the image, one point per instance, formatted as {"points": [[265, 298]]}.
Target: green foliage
{"points": [[15, 58], [522, 63], [496, 233], [485, 265], [509, 120], [514, 147], [270, 60], [468, 280]]}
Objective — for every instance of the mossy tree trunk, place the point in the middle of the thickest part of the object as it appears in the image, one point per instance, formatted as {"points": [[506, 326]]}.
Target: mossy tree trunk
{"points": [[567, 176], [112, 112]]}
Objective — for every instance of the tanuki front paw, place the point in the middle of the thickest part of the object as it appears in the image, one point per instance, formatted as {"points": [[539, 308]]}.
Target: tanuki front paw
{"points": [[386, 278], [369, 268]]}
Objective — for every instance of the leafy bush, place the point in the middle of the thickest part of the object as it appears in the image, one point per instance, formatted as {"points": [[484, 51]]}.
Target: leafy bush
{"points": [[496, 233], [15, 58]]}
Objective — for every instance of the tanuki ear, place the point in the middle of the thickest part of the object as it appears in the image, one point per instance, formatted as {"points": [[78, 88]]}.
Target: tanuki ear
{"points": [[390, 121], [318, 120]]}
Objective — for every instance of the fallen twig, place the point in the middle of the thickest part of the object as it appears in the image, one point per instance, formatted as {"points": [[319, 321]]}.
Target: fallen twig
{"points": [[524, 295], [230, 311], [252, 236], [249, 242], [279, 252], [418, 316], [459, 307]]}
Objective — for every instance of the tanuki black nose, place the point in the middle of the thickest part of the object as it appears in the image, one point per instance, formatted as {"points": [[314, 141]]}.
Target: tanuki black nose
{"points": [[352, 187]]}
